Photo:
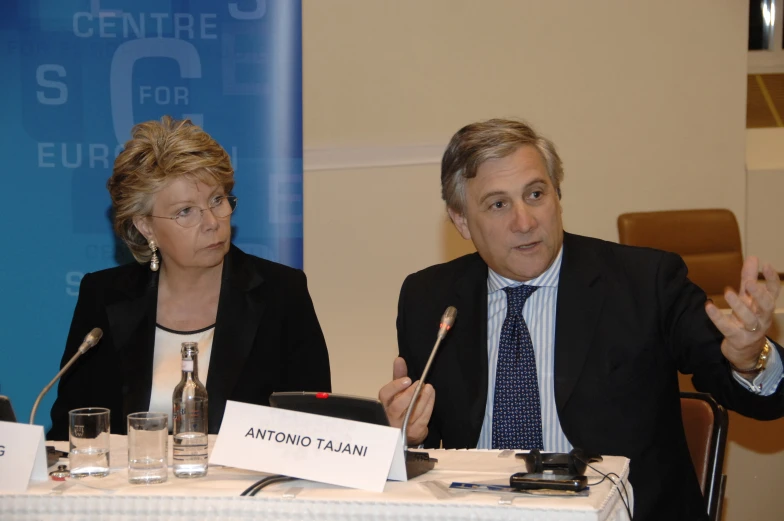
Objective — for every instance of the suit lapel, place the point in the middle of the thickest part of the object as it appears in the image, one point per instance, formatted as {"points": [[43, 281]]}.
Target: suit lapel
{"points": [[470, 335], [132, 323], [580, 300], [239, 310]]}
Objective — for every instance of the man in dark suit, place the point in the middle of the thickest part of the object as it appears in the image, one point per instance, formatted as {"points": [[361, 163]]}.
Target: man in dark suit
{"points": [[589, 353]]}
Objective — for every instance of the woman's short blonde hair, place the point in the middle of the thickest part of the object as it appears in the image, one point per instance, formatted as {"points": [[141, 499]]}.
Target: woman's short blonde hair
{"points": [[158, 153]]}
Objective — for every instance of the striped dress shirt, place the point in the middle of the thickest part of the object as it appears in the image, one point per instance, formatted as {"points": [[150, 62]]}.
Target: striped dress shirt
{"points": [[539, 316]]}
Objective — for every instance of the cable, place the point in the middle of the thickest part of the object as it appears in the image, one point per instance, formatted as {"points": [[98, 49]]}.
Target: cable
{"points": [[625, 492], [607, 476], [265, 481], [598, 482], [619, 482]]}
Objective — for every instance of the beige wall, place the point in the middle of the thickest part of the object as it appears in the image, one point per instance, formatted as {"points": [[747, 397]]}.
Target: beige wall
{"points": [[764, 188], [645, 100]]}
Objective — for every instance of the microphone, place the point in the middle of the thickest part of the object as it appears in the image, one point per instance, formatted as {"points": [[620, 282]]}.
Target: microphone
{"points": [[447, 320], [92, 338]]}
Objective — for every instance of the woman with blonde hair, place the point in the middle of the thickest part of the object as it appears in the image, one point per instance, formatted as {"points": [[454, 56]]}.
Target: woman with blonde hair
{"points": [[253, 319]]}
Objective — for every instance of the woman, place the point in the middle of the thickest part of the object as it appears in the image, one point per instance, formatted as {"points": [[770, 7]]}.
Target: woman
{"points": [[254, 319]]}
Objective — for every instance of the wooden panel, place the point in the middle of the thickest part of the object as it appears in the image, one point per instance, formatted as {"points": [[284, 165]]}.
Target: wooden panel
{"points": [[758, 113], [774, 83]]}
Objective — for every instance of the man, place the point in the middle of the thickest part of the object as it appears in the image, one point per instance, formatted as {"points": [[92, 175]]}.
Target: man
{"points": [[564, 341]]}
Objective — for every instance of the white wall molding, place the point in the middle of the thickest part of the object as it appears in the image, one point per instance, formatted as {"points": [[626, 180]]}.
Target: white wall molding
{"points": [[349, 158]]}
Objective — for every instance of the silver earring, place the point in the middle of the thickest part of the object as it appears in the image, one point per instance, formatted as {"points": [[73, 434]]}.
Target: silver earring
{"points": [[155, 263]]}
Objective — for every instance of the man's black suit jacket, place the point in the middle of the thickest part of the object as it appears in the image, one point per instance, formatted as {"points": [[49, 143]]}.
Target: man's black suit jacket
{"points": [[267, 338], [627, 319]]}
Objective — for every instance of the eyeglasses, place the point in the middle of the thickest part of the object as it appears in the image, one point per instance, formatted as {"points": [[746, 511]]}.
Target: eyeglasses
{"points": [[221, 206]]}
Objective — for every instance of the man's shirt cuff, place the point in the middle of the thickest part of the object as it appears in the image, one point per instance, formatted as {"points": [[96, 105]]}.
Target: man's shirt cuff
{"points": [[768, 380]]}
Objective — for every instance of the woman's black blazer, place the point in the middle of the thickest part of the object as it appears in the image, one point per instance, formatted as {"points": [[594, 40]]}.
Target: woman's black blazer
{"points": [[267, 338]]}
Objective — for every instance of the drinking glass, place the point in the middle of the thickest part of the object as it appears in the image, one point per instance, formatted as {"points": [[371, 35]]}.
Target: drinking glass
{"points": [[148, 447], [88, 435]]}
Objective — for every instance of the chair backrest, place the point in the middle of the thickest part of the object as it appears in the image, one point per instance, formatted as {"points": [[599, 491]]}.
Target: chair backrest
{"points": [[705, 423], [708, 241], [6, 411]]}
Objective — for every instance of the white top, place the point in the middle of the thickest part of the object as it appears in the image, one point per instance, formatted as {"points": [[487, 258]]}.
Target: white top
{"points": [[167, 363]]}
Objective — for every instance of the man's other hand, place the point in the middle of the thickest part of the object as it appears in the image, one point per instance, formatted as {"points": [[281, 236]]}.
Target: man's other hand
{"points": [[752, 314], [396, 396]]}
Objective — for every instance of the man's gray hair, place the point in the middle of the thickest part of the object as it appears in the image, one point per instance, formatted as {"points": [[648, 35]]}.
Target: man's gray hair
{"points": [[474, 144]]}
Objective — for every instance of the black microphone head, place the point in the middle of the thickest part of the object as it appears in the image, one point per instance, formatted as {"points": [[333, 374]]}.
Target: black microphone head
{"points": [[92, 338]]}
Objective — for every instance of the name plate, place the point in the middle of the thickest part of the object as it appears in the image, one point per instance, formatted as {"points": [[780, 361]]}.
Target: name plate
{"points": [[308, 446], [22, 456]]}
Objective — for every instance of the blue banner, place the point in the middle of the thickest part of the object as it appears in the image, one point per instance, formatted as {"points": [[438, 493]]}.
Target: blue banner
{"points": [[76, 76]]}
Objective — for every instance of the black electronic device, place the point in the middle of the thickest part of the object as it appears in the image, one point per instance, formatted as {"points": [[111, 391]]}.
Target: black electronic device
{"points": [[6, 411], [572, 463], [552, 481], [53, 455], [369, 410], [357, 408]]}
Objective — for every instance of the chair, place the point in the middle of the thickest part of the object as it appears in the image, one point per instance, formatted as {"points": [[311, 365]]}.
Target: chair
{"points": [[705, 423], [6, 411], [707, 240]]}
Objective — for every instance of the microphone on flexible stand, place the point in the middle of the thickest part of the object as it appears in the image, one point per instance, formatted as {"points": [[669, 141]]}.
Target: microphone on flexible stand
{"points": [[418, 463], [89, 341]]}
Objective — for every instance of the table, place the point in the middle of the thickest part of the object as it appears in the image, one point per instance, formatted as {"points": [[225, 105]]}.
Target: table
{"points": [[216, 497]]}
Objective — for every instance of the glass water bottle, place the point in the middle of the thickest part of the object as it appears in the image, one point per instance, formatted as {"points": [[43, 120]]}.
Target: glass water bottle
{"points": [[189, 417]]}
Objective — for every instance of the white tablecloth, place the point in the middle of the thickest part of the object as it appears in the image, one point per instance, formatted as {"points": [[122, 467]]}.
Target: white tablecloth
{"points": [[216, 497]]}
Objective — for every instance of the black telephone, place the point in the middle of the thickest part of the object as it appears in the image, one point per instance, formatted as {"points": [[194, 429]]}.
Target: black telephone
{"points": [[546, 480]]}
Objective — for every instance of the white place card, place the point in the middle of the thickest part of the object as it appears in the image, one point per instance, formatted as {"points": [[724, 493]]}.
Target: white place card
{"points": [[22, 456], [308, 446]]}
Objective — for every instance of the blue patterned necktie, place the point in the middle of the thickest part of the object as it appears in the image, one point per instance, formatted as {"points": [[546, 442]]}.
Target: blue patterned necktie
{"points": [[517, 413]]}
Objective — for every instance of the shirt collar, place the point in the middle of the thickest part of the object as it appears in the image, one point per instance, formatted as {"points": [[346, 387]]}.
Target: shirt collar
{"points": [[549, 278]]}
